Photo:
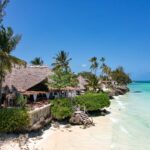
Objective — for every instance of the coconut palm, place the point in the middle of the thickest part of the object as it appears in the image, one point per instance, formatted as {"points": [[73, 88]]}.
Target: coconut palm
{"points": [[62, 61], [120, 76], [107, 71], [8, 42], [94, 64], [102, 62], [3, 4], [37, 61], [92, 83]]}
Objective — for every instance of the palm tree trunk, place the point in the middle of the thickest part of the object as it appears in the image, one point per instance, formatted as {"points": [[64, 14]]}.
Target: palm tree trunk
{"points": [[1, 82], [0, 92]]}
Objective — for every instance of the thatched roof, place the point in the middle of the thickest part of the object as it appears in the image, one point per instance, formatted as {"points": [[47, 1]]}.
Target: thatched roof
{"points": [[82, 83], [24, 78]]}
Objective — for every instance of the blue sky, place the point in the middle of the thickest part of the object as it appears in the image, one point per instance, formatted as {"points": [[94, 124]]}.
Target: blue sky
{"points": [[118, 30]]}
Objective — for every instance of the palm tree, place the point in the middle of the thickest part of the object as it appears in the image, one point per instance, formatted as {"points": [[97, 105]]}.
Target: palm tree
{"points": [[62, 61], [94, 64], [102, 61], [107, 71], [92, 82], [3, 4], [37, 61], [8, 42]]}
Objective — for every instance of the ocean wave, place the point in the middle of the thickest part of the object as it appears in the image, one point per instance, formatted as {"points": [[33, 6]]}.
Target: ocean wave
{"points": [[123, 129], [121, 104], [114, 120]]}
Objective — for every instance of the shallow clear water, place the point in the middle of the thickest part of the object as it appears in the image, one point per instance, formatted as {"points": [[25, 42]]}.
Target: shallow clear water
{"points": [[131, 119]]}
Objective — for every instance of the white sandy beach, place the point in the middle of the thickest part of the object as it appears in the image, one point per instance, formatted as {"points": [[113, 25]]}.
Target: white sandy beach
{"points": [[74, 138]]}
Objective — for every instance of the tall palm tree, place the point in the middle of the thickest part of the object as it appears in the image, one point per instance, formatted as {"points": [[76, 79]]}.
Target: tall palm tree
{"points": [[8, 42], [37, 61], [102, 61], [62, 61], [94, 64], [3, 4], [107, 71]]}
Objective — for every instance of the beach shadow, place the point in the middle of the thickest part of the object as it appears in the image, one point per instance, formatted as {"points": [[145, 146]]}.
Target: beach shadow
{"points": [[99, 113], [8, 136], [38, 133]]}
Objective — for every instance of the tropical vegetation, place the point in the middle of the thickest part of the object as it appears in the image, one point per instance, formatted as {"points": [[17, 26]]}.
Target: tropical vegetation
{"points": [[8, 42], [13, 120], [120, 76], [93, 101], [37, 61], [64, 107], [63, 76], [61, 61], [61, 108]]}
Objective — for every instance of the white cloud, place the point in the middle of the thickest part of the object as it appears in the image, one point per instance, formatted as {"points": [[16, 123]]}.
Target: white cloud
{"points": [[84, 65]]}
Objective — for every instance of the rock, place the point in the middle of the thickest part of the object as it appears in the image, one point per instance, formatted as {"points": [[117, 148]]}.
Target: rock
{"points": [[68, 126], [56, 125], [81, 118], [118, 90]]}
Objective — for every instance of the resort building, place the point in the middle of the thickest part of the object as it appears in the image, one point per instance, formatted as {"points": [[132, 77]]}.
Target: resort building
{"points": [[31, 82]]}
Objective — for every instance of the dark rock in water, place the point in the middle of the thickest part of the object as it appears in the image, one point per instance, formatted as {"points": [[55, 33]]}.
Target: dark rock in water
{"points": [[137, 92]]}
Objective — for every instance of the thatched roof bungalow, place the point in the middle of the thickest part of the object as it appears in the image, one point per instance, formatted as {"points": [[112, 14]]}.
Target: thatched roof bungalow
{"points": [[30, 81], [24, 78]]}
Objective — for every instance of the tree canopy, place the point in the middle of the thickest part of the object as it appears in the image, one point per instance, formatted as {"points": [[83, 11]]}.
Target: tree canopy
{"points": [[8, 43], [120, 76], [61, 79], [37, 61], [3, 4], [63, 76], [61, 61], [94, 64]]}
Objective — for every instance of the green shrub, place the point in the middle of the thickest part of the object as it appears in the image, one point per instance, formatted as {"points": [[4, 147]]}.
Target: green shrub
{"points": [[93, 101], [13, 120], [21, 100], [61, 108]]}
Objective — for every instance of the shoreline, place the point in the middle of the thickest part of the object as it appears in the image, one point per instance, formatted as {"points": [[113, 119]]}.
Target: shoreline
{"points": [[75, 137]]}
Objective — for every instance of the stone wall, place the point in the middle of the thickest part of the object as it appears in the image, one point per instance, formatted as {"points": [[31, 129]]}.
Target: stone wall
{"points": [[39, 114]]}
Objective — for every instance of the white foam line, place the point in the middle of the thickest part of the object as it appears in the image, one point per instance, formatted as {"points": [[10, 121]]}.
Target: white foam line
{"points": [[124, 130], [114, 120]]}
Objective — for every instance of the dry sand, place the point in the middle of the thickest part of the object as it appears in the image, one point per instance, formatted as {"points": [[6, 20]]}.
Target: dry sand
{"points": [[74, 138]]}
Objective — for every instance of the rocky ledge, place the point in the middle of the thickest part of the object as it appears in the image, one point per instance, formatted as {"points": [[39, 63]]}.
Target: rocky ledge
{"points": [[119, 90]]}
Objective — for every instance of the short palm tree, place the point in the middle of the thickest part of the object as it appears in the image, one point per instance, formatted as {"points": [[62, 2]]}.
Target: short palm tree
{"points": [[62, 61], [37, 61], [8, 42], [94, 64]]}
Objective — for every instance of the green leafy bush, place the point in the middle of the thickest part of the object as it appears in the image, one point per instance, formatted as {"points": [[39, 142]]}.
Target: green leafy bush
{"points": [[93, 101], [61, 108], [21, 100], [13, 120]]}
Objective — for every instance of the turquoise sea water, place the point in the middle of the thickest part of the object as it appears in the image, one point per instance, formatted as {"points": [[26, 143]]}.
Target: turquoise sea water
{"points": [[131, 119]]}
